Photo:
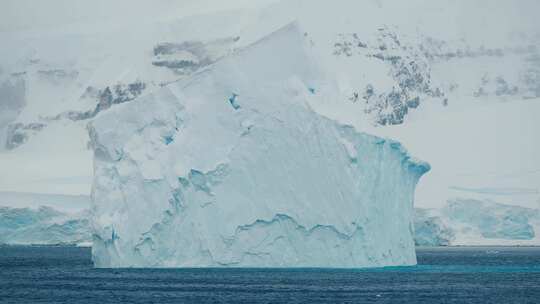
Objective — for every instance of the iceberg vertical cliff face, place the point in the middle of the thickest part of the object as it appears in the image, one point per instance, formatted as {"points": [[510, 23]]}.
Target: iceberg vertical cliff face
{"points": [[232, 168]]}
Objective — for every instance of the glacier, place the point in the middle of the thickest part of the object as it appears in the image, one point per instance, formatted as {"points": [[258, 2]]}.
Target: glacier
{"points": [[44, 225], [473, 222], [430, 230], [231, 167]]}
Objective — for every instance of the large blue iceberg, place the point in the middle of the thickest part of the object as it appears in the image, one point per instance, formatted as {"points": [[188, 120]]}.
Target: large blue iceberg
{"points": [[231, 167]]}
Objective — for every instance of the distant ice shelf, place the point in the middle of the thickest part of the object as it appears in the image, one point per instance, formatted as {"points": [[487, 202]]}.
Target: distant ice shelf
{"points": [[462, 222], [44, 225], [468, 222]]}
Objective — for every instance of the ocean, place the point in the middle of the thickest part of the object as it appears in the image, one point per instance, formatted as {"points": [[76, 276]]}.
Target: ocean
{"points": [[34, 274]]}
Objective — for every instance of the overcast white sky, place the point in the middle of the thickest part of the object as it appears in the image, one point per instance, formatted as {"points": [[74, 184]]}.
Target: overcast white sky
{"points": [[18, 15], [26, 14]]}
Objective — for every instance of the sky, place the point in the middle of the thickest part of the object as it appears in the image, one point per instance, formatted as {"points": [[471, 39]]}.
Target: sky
{"points": [[31, 14]]}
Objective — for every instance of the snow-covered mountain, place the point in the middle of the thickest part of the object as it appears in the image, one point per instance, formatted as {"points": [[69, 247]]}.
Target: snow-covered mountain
{"points": [[457, 83], [444, 76]]}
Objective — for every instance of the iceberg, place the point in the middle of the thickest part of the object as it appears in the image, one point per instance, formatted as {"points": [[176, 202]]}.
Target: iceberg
{"points": [[231, 167]]}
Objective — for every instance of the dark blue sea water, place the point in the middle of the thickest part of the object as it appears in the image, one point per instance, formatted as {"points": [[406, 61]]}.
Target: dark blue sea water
{"points": [[444, 275]]}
